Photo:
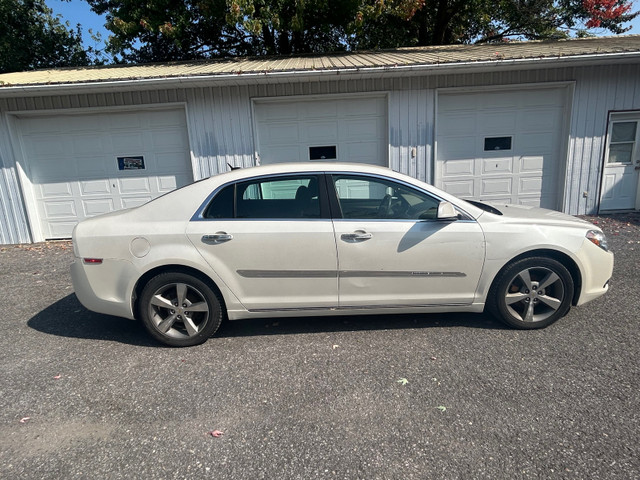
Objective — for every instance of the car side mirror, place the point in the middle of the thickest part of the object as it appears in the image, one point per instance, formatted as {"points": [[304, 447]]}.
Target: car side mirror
{"points": [[447, 212]]}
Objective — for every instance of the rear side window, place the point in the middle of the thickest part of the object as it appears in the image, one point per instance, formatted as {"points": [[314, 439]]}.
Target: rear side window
{"points": [[270, 198]]}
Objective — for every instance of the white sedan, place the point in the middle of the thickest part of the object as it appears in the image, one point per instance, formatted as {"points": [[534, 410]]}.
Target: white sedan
{"points": [[327, 239]]}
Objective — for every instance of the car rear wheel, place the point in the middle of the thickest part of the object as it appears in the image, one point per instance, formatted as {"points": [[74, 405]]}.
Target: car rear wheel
{"points": [[179, 310], [531, 293]]}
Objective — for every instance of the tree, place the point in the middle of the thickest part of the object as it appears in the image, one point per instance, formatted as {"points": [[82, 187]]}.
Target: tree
{"points": [[441, 22], [31, 37], [161, 30]]}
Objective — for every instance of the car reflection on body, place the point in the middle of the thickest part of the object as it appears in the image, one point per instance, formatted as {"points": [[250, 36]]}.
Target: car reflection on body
{"points": [[326, 239]]}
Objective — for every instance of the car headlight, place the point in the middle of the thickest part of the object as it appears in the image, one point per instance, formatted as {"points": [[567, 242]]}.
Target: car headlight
{"points": [[598, 238]]}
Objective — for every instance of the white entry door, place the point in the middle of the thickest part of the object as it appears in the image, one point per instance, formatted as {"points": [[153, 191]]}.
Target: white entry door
{"points": [[622, 164]]}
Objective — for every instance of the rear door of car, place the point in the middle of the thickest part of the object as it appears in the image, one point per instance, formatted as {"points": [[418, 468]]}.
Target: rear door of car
{"points": [[394, 252], [271, 240]]}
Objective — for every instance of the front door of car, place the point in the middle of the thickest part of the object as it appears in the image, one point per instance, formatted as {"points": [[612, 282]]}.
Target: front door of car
{"points": [[393, 251], [271, 241]]}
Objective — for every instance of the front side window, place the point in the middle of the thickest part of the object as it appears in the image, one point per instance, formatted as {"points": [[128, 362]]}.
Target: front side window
{"points": [[375, 198], [280, 197]]}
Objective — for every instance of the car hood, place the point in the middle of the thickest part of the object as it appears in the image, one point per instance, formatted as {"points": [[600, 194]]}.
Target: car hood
{"points": [[536, 216]]}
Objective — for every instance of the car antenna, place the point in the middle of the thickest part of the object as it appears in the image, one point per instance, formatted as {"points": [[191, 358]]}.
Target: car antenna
{"points": [[232, 167]]}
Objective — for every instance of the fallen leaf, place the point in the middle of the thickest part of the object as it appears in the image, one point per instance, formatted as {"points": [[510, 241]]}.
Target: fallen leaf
{"points": [[442, 408], [215, 433], [403, 381], [25, 419]]}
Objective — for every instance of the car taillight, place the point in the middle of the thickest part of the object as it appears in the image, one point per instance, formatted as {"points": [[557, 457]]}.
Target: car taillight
{"points": [[598, 238], [94, 261]]}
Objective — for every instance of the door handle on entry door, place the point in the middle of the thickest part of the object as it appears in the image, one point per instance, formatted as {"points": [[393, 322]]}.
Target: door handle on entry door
{"points": [[218, 237], [356, 236]]}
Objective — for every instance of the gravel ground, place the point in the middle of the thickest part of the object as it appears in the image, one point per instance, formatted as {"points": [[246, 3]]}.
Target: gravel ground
{"points": [[391, 397]]}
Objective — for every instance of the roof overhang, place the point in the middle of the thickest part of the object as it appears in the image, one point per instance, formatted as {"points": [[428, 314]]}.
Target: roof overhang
{"points": [[327, 74]]}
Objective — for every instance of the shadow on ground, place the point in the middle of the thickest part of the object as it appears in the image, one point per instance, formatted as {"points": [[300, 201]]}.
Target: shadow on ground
{"points": [[68, 318]]}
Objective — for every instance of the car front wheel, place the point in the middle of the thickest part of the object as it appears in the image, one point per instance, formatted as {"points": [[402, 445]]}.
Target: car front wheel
{"points": [[179, 310], [531, 293]]}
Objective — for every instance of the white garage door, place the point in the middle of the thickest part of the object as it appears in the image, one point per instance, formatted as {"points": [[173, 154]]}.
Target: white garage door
{"points": [[502, 146], [349, 129], [79, 166]]}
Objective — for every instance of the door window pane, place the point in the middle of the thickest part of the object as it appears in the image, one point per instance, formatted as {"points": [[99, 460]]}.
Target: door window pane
{"points": [[373, 198], [620, 153], [290, 197], [623, 132]]}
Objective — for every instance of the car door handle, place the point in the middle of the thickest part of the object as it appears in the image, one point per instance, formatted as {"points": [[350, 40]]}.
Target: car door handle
{"points": [[219, 237], [356, 236]]}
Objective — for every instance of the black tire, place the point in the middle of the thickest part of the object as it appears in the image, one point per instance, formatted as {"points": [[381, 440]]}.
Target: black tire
{"points": [[531, 293], [165, 304]]}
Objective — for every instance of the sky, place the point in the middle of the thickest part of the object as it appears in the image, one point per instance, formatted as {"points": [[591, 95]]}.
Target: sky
{"points": [[78, 11]]}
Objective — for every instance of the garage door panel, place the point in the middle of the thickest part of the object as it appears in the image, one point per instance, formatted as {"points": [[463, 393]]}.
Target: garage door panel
{"points": [[133, 185], [492, 166], [57, 209], [314, 110], [457, 148], [88, 144], [123, 121], [280, 133], [170, 182], [456, 103], [60, 229], [364, 152], [361, 107], [95, 187], [275, 112], [132, 202], [45, 145], [461, 188], [75, 174], [548, 96], [528, 171], [496, 186], [53, 190], [498, 100], [497, 124], [529, 164], [531, 185], [458, 122], [360, 128], [97, 206], [540, 120], [319, 132], [167, 139], [458, 167]]}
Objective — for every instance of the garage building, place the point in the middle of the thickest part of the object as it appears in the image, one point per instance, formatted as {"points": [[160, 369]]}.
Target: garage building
{"points": [[551, 124]]}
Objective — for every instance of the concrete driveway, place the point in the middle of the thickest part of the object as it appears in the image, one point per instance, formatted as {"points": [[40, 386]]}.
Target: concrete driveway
{"points": [[84, 395]]}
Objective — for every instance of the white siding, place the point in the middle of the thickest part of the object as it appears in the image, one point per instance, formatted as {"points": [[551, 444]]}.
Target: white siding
{"points": [[220, 124]]}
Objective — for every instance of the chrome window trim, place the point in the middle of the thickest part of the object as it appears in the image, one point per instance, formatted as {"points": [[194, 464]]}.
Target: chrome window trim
{"points": [[198, 216], [408, 185]]}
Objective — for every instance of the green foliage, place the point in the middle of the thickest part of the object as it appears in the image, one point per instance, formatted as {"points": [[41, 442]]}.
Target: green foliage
{"points": [[31, 37], [161, 30]]}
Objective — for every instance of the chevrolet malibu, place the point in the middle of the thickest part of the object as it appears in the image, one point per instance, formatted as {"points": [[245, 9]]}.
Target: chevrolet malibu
{"points": [[326, 239]]}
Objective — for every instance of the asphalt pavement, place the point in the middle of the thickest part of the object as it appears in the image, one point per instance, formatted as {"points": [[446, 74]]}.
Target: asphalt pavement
{"points": [[455, 396]]}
